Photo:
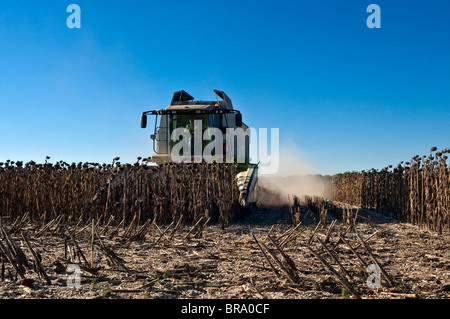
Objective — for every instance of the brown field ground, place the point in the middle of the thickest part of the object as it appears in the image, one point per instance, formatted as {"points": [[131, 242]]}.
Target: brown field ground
{"points": [[229, 263]]}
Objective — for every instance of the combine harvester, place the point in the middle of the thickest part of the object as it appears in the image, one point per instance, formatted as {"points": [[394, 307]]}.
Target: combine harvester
{"points": [[184, 113]]}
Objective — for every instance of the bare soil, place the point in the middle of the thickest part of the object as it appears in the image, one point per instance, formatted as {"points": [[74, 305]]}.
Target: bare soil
{"points": [[228, 263]]}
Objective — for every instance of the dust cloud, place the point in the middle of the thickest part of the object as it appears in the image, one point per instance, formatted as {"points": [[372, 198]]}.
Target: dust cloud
{"points": [[295, 177]]}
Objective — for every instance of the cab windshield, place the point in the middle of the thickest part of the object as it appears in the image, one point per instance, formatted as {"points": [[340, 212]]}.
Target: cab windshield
{"points": [[186, 120], [189, 122]]}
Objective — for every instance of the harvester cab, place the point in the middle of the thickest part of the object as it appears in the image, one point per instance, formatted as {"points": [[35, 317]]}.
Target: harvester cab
{"points": [[208, 129]]}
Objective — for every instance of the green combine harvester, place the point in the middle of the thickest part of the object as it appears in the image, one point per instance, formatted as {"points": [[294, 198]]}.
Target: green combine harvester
{"points": [[199, 118]]}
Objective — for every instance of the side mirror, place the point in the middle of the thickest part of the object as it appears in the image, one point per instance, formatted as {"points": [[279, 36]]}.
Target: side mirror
{"points": [[238, 119], [143, 121]]}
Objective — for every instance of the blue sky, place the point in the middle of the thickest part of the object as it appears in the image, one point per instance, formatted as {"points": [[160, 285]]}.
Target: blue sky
{"points": [[344, 96]]}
